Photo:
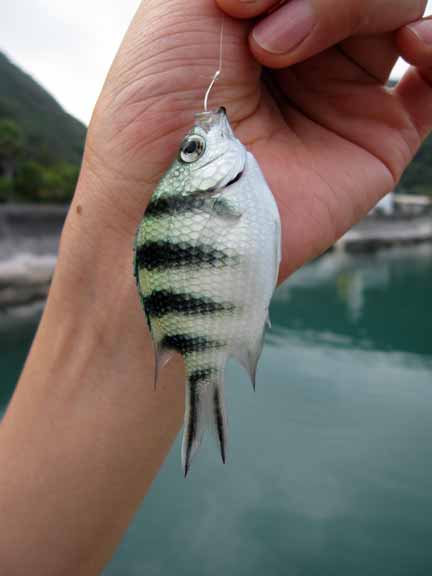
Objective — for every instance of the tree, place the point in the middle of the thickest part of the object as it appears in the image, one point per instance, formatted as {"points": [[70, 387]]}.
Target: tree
{"points": [[11, 145], [35, 182], [6, 189], [29, 181]]}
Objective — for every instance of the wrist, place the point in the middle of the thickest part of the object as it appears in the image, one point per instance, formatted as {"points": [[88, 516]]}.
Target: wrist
{"points": [[86, 432]]}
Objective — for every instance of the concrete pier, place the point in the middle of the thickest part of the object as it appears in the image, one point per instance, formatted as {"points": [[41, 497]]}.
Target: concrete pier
{"points": [[29, 238], [374, 233]]}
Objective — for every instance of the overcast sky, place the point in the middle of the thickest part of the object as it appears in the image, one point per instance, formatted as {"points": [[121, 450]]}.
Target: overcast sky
{"points": [[68, 46]]}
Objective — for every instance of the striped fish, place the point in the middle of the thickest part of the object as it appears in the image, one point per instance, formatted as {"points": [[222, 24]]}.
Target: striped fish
{"points": [[207, 256]]}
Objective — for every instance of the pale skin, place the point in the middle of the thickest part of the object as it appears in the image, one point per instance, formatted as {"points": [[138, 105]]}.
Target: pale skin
{"points": [[86, 434]]}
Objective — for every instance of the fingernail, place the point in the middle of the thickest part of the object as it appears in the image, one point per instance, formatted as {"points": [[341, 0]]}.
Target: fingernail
{"points": [[423, 30], [283, 30]]}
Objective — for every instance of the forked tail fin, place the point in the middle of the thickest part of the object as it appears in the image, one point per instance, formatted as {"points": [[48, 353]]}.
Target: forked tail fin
{"points": [[205, 408]]}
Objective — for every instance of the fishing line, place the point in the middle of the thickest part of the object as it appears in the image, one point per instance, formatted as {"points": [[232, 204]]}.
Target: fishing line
{"points": [[219, 70]]}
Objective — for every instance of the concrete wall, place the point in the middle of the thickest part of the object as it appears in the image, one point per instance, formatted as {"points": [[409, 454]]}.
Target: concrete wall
{"points": [[29, 238], [28, 220]]}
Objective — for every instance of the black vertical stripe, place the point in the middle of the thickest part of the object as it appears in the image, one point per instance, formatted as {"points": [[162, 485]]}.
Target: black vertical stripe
{"points": [[170, 205], [181, 204], [166, 255], [203, 375], [186, 344], [161, 302]]}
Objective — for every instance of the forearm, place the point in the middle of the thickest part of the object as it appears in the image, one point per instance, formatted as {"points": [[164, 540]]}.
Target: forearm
{"points": [[86, 432]]}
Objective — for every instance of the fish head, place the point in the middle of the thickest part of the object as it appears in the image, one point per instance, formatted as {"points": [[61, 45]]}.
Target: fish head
{"points": [[211, 154]]}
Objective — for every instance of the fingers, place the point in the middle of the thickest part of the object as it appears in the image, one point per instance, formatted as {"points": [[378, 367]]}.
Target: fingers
{"points": [[300, 29], [415, 89], [415, 43], [247, 8], [374, 55]]}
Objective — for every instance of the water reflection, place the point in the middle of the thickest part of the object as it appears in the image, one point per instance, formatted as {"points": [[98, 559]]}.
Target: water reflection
{"points": [[329, 469], [17, 329], [381, 301], [329, 473]]}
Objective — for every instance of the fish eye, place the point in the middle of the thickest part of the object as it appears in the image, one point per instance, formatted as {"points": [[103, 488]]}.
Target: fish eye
{"points": [[192, 148]]}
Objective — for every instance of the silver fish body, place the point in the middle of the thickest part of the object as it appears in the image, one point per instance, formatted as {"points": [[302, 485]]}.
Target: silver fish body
{"points": [[207, 257]]}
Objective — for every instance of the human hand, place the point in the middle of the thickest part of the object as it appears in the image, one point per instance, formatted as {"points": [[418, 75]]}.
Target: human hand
{"points": [[330, 138], [339, 139]]}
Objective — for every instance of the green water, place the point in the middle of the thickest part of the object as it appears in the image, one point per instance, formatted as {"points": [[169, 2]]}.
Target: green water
{"points": [[330, 463]]}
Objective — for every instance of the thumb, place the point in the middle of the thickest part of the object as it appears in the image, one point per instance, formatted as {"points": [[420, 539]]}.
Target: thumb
{"points": [[300, 29]]}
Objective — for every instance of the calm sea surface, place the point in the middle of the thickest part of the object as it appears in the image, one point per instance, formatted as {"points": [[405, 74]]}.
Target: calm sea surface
{"points": [[330, 463]]}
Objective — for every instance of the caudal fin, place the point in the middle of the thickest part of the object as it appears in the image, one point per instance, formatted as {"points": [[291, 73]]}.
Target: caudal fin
{"points": [[204, 409]]}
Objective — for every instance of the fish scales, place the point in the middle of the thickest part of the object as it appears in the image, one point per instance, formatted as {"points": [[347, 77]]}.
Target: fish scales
{"points": [[207, 256]]}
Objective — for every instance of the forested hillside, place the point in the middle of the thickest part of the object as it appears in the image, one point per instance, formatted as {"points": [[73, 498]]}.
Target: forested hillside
{"points": [[418, 178], [40, 144]]}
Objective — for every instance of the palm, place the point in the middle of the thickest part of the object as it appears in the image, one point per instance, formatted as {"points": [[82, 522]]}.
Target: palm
{"points": [[330, 140], [330, 148]]}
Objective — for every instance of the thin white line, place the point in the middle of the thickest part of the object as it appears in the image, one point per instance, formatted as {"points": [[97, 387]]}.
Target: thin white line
{"points": [[219, 71]]}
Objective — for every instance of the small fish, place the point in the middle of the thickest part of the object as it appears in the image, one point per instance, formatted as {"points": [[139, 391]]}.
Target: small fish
{"points": [[207, 256]]}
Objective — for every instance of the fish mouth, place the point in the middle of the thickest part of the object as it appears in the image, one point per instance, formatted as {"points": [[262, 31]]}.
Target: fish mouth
{"points": [[216, 118]]}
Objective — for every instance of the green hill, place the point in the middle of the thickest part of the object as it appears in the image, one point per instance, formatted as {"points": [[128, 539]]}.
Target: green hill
{"points": [[418, 177], [50, 134], [41, 146]]}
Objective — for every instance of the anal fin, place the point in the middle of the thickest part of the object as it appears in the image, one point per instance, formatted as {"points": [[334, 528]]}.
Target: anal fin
{"points": [[249, 357]]}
